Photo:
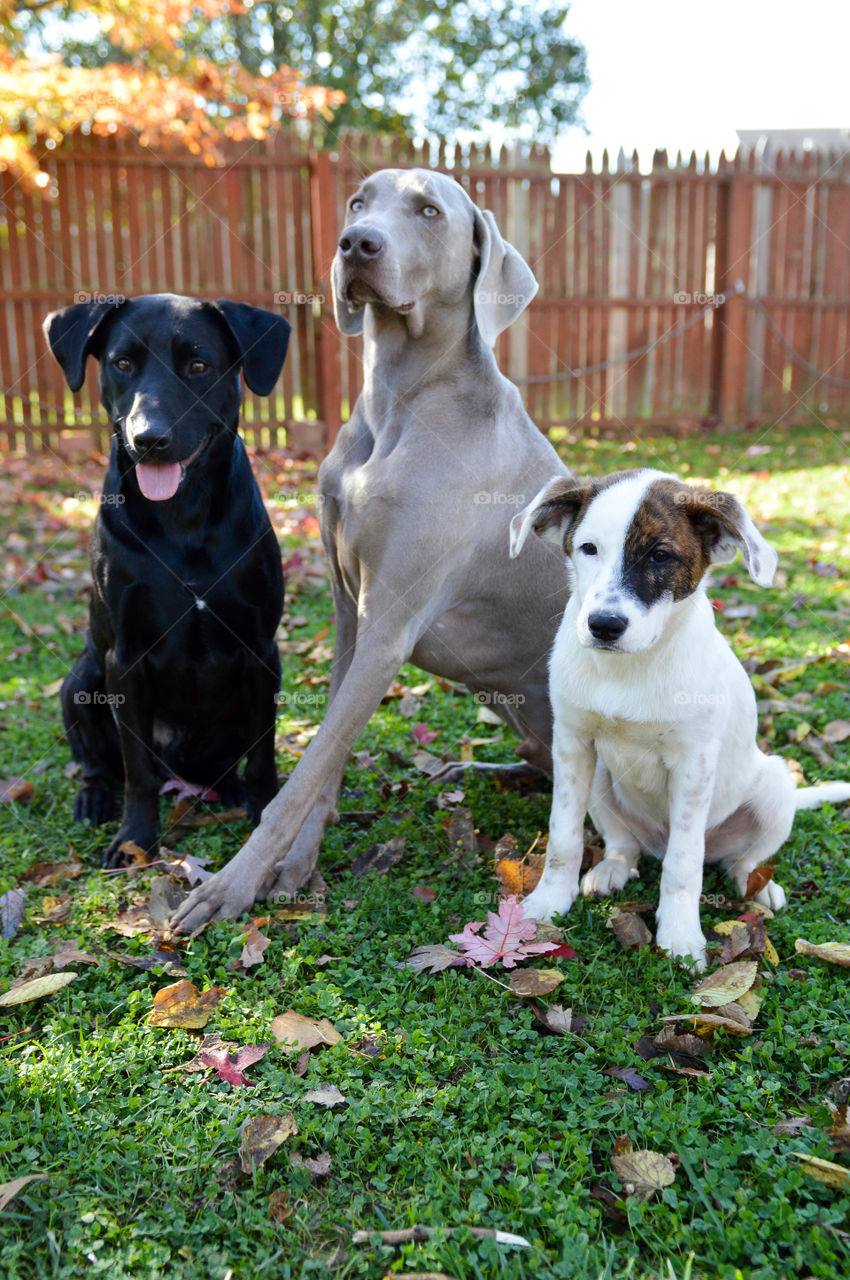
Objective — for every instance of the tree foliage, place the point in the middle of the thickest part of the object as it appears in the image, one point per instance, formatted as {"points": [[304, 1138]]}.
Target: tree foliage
{"points": [[141, 73]]}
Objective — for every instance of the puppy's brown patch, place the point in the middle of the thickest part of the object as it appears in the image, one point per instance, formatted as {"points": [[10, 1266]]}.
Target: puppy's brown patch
{"points": [[668, 545]]}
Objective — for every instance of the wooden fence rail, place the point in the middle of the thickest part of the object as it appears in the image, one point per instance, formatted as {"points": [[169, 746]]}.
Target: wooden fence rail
{"points": [[668, 299]]}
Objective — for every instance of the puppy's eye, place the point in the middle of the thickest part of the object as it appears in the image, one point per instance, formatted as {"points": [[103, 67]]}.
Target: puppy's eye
{"points": [[122, 363], [660, 556], [430, 211], [355, 206], [198, 366], [588, 548]]}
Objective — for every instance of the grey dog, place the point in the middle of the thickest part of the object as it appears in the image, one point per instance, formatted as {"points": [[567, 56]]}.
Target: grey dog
{"points": [[415, 503]]}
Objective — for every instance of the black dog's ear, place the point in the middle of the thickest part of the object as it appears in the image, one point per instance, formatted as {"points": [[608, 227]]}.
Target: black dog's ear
{"points": [[70, 334], [261, 339]]}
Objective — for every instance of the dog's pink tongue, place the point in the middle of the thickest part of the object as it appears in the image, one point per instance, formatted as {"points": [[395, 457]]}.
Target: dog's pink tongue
{"points": [[158, 480]]}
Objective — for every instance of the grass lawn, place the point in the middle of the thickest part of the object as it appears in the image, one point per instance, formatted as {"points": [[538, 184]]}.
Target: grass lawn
{"points": [[461, 1111]]}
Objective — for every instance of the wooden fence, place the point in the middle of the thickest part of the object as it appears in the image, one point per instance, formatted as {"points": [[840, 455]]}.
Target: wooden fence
{"points": [[673, 299]]}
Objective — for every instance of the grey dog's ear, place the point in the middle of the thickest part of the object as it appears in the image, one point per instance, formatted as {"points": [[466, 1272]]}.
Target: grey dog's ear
{"points": [[71, 334], [553, 513], [505, 284], [349, 321]]}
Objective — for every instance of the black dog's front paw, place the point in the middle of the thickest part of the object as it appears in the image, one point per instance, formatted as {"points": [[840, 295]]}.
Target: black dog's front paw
{"points": [[94, 803], [117, 855]]}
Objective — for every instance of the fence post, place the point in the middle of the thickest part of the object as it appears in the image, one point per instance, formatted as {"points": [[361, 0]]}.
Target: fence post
{"points": [[730, 350], [323, 232]]}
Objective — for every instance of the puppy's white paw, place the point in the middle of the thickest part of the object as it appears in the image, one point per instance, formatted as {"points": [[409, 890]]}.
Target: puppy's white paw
{"points": [[772, 896], [607, 877], [547, 901], [683, 943]]}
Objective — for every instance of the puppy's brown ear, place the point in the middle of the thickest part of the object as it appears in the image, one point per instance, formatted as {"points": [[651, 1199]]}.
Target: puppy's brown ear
{"points": [[553, 513], [726, 528]]}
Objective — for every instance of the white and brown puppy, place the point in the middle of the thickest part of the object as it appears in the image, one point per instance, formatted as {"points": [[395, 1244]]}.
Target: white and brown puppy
{"points": [[655, 718]]}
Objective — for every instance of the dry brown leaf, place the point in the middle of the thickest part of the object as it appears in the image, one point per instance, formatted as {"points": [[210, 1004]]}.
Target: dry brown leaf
{"points": [[326, 1095], [726, 984], [44, 874], [279, 1207], [791, 1127], [183, 1005], [35, 988], [555, 1018], [736, 1026], [133, 853], [8, 1190], [261, 1137], [526, 983], [629, 928], [19, 789], [253, 948], [758, 878], [832, 952], [836, 731], [642, 1173], [293, 1031]]}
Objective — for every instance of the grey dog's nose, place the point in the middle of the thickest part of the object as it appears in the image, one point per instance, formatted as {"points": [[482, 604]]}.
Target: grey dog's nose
{"points": [[360, 244], [607, 626]]}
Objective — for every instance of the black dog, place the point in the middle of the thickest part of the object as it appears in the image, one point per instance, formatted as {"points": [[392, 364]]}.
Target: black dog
{"points": [[181, 671]]}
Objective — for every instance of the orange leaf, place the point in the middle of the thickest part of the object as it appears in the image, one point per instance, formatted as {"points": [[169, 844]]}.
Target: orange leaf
{"points": [[183, 1005]]}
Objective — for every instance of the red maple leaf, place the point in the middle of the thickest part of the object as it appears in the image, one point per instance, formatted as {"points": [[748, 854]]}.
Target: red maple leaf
{"points": [[507, 937], [230, 1065], [423, 734]]}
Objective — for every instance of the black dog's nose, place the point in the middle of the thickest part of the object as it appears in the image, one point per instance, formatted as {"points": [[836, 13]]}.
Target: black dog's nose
{"points": [[151, 441], [360, 244], [607, 626]]}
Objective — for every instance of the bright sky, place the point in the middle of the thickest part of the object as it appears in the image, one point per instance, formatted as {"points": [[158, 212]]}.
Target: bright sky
{"points": [[679, 74]]}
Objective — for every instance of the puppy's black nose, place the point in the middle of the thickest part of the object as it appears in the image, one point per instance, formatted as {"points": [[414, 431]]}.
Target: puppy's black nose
{"points": [[360, 244], [607, 626], [151, 441]]}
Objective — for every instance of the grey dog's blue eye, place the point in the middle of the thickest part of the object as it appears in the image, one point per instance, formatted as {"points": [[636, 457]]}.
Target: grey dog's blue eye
{"points": [[588, 549], [431, 211], [355, 206]]}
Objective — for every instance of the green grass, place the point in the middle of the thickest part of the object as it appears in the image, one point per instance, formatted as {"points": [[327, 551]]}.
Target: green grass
{"points": [[468, 1115]]}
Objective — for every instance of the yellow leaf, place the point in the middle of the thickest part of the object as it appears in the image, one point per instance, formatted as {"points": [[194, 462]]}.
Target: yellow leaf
{"points": [[832, 952], [36, 988], [770, 953], [800, 731], [750, 1002], [261, 1137], [534, 982], [183, 1005], [726, 984], [642, 1173], [725, 927], [834, 1175]]}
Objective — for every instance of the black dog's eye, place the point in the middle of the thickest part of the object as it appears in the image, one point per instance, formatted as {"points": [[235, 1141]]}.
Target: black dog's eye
{"points": [[660, 556], [588, 548], [122, 363], [431, 211], [198, 366], [355, 206]]}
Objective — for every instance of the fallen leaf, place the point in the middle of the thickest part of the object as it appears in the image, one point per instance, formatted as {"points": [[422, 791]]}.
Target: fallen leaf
{"points": [[758, 878], [12, 907], [35, 988], [750, 1002], [799, 732], [183, 1005], [212, 1040], [672, 1041], [770, 953], [423, 893], [131, 923], [725, 984], [319, 1166], [461, 832], [261, 1137], [836, 731], [642, 1173], [507, 936], [279, 1207], [520, 877], [231, 1066], [694, 1073], [253, 948], [379, 858], [832, 952], [554, 1017], [293, 1031], [326, 1095], [8, 1190], [426, 763], [163, 900], [423, 734], [44, 874], [134, 854], [629, 928], [836, 1176], [791, 1127], [629, 1076], [534, 982], [15, 789], [736, 1026], [434, 958], [190, 868]]}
